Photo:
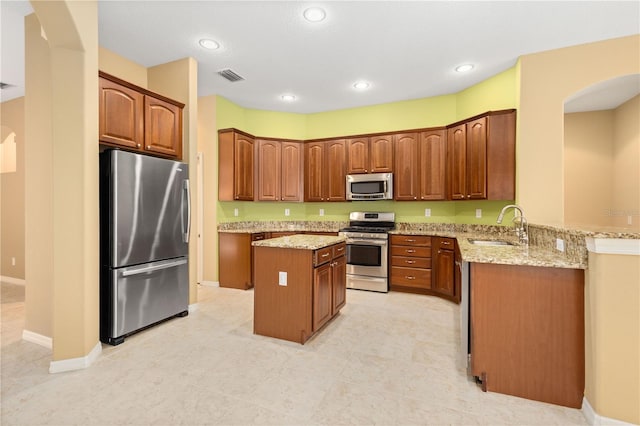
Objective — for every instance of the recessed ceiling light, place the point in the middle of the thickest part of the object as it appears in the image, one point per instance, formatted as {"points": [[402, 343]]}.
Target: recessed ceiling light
{"points": [[464, 68], [361, 85], [209, 44], [288, 98], [314, 14]]}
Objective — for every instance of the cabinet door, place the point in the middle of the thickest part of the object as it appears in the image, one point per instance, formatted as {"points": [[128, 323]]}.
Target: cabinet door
{"points": [[381, 154], [457, 155], [313, 172], [444, 280], [432, 154], [243, 167], [335, 172], [121, 115], [477, 159], [268, 159], [406, 167], [234, 255], [162, 127], [291, 175], [322, 299], [339, 283], [357, 156]]}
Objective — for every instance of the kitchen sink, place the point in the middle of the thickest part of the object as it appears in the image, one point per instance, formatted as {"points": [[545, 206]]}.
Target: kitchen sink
{"points": [[490, 242]]}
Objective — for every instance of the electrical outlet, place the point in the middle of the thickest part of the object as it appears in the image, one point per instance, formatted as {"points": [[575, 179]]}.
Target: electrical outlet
{"points": [[321, 212], [287, 212], [235, 212], [629, 220], [13, 261], [559, 244], [478, 213], [282, 278], [427, 212]]}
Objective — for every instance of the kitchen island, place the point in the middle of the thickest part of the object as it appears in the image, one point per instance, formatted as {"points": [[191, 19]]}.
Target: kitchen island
{"points": [[300, 284]]}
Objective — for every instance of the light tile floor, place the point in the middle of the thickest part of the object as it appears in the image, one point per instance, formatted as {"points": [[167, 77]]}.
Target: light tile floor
{"points": [[388, 359]]}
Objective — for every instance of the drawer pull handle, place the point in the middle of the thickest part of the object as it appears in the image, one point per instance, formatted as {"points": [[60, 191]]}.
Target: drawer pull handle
{"points": [[410, 262], [411, 251], [341, 248], [325, 255], [410, 241], [410, 277]]}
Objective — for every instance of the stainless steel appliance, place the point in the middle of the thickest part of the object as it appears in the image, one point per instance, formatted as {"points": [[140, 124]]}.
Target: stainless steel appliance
{"points": [[370, 187], [367, 250], [144, 235]]}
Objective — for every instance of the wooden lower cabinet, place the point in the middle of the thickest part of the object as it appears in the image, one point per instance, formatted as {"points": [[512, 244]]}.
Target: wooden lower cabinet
{"points": [[235, 255], [314, 292], [444, 282], [410, 263], [527, 331]]}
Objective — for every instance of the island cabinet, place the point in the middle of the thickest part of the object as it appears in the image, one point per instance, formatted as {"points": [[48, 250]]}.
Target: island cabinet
{"points": [[527, 331], [235, 255], [420, 165], [481, 157], [372, 154], [444, 282], [410, 263], [138, 120], [279, 171], [297, 289], [235, 165], [324, 172]]}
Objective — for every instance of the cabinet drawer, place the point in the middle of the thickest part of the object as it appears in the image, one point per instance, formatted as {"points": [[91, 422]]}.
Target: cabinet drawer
{"points": [[322, 255], [411, 262], [411, 277], [411, 240], [339, 250], [445, 243], [258, 236], [411, 251]]}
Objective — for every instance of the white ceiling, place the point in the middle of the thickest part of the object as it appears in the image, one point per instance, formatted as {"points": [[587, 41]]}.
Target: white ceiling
{"points": [[407, 50]]}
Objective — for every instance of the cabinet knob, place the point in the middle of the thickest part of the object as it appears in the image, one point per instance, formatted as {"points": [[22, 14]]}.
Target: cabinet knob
{"points": [[415, 198], [468, 196], [138, 145]]}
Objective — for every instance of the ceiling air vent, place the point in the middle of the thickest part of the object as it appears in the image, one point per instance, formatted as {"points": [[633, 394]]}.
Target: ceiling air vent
{"points": [[230, 75]]}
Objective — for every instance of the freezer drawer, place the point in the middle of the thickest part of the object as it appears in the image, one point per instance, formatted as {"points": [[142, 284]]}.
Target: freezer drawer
{"points": [[136, 297]]}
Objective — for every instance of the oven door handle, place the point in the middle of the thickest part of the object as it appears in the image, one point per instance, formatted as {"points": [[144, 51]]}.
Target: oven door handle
{"points": [[368, 242]]}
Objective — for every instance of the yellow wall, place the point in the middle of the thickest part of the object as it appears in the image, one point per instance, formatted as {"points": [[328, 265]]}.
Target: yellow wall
{"points": [[626, 165], [120, 67], [612, 336], [588, 163], [12, 193], [546, 80]]}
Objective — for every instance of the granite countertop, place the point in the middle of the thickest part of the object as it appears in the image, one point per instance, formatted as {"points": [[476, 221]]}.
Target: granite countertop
{"points": [[304, 242]]}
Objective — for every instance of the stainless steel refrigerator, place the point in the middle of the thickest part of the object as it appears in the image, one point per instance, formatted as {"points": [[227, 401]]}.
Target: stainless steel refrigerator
{"points": [[144, 236]]}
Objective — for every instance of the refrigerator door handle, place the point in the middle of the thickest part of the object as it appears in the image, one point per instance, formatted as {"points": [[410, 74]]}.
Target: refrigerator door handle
{"points": [[186, 191], [154, 268]]}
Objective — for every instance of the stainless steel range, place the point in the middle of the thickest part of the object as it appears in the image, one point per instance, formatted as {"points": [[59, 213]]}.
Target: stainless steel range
{"points": [[367, 250]]}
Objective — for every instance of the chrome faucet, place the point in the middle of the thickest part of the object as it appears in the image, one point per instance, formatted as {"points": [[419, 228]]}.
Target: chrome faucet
{"points": [[522, 227]]}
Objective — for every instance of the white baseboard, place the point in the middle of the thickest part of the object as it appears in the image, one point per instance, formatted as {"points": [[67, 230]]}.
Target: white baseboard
{"points": [[38, 339], [76, 363], [595, 419], [11, 280], [210, 283], [192, 308]]}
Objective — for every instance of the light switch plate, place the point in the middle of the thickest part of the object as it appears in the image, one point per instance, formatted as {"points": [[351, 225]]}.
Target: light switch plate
{"points": [[427, 212], [478, 213], [321, 212], [282, 278], [559, 244], [235, 212], [287, 212]]}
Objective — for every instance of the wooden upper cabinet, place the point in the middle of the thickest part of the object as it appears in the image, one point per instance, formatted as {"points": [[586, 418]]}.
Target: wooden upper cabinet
{"points": [[325, 165], [406, 167], [279, 171], [162, 127], [357, 156], [432, 154], [481, 157], [268, 171], [235, 165], [121, 115], [370, 155], [138, 120]]}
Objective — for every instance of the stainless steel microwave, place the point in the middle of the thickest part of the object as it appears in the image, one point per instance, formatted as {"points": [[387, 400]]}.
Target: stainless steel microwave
{"points": [[369, 187]]}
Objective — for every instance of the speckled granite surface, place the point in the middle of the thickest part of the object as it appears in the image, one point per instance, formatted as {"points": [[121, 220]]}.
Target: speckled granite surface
{"points": [[305, 242], [540, 252]]}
